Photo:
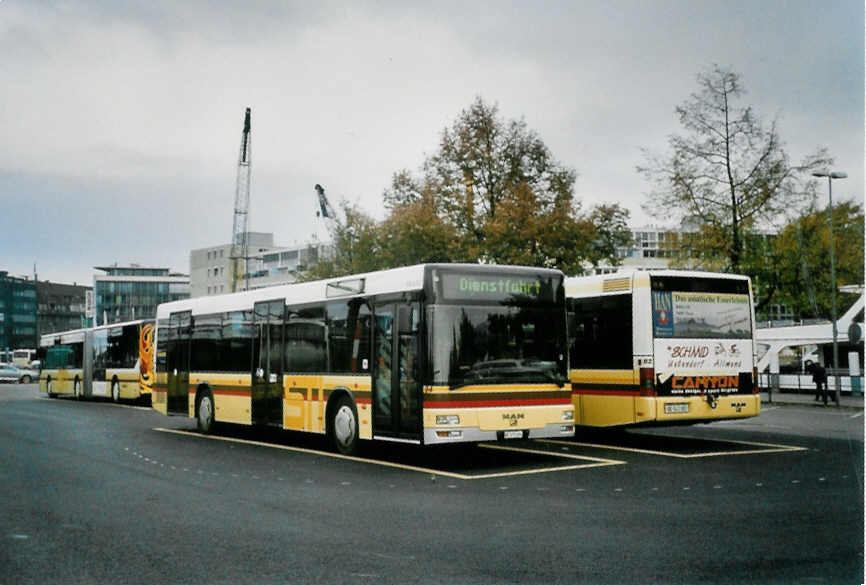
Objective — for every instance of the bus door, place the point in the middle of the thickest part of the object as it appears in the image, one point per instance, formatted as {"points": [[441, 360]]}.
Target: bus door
{"points": [[177, 362], [87, 365], [267, 374], [396, 372]]}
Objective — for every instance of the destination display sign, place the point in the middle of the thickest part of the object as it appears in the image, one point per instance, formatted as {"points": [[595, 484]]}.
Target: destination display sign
{"points": [[455, 286]]}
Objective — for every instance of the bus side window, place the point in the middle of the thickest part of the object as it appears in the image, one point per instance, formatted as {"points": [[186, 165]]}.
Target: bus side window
{"points": [[306, 341], [602, 332], [349, 335]]}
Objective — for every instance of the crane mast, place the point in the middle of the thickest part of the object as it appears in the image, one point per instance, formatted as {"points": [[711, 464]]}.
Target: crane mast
{"points": [[239, 252]]}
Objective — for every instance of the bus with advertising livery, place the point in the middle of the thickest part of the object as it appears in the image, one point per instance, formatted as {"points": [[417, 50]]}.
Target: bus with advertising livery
{"points": [[113, 361], [661, 347], [426, 354]]}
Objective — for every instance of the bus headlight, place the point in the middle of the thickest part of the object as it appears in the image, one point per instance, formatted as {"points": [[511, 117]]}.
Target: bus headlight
{"points": [[568, 415], [447, 419]]}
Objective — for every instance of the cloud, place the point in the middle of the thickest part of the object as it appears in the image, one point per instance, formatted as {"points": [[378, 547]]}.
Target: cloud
{"points": [[133, 111]]}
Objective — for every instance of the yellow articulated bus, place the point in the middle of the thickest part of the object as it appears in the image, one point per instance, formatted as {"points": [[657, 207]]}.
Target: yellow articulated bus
{"points": [[62, 356], [427, 354], [661, 347], [113, 361]]}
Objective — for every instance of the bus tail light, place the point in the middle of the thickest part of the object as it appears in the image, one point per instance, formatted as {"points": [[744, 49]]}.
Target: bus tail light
{"points": [[647, 382]]}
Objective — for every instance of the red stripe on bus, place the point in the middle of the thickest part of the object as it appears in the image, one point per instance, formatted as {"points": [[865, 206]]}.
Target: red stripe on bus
{"points": [[506, 403], [603, 392], [225, 392]]}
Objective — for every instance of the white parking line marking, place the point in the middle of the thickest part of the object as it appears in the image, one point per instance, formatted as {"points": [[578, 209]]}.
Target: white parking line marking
{"points": [[595, 461], [765, 448]]}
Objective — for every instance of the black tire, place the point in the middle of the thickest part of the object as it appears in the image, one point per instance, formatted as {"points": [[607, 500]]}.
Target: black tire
{"points": [[115, 391], [343, 426], [76, 390], [48, 389], [25, 379], [204, 412]]}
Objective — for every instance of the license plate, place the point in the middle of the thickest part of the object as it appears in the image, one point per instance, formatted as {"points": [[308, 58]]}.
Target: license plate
{"points": [[677, 408], [512, 435]]}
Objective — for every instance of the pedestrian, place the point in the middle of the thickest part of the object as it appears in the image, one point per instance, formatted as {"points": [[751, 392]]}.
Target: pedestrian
{"points": [[819, 376]]}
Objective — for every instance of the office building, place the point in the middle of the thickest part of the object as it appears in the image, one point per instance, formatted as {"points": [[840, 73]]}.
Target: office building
{"points": [[267, 265], [61, 307], [17, 312], [126, 293]]}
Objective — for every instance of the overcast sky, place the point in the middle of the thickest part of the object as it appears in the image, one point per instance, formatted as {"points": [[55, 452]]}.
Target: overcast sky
{"points": [[121, 121]]}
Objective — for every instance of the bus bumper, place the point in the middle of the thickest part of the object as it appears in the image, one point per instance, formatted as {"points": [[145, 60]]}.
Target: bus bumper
{"points": [[439, 436], [707, 408]]}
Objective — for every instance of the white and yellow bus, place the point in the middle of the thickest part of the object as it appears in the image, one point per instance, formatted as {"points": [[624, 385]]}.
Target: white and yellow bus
{"points": [[661, 347], [113, 361], [62, 357], [427, 354]]}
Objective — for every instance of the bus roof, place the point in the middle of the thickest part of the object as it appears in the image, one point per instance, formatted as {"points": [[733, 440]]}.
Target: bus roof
{"points": [[394, 280], [124, 324], [623, 281], [71, 336]]}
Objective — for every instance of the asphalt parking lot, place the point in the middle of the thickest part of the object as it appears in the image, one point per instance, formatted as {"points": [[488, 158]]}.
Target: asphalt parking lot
{"points": [[123, 494]]}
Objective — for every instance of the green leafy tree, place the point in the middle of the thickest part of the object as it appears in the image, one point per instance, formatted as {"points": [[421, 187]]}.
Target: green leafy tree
{"points": [[727, 171], [356, 246], [609, 223], [802, 252], [414, 233], [493, 192]]}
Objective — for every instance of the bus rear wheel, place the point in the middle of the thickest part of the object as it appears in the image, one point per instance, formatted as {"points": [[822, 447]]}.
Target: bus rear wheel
{"points": [[204, 412], [343, 426], [115, 391], [76, 389], [48, 388]]}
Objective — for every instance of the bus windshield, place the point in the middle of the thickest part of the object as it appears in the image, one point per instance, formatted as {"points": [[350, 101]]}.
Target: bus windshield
{"points": [[701, 308], [496, 345]]}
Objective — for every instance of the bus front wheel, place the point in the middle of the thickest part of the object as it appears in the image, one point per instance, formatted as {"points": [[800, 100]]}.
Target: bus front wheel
{"points": [[48, 388], [204, 415], [76, 389], [343, 426], [115, 391]]}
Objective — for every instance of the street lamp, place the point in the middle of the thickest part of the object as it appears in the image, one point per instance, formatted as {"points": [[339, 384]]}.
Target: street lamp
{"points": [[830, 176]]}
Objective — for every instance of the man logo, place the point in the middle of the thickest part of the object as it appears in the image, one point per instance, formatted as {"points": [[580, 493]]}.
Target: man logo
{"points": [[512, 418]]}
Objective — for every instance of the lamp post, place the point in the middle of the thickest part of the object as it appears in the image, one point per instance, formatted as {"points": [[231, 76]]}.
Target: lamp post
{"points": [[830, 176]]}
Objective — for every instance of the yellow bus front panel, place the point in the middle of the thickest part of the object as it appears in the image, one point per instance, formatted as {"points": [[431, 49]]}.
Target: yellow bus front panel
{"points": [[483, 413]]}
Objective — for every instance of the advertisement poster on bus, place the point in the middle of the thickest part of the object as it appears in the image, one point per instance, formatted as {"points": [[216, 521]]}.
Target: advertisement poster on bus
{"points": [[703, 342]]}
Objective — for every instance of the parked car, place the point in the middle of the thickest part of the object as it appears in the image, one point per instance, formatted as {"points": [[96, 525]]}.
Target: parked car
{"points": [[14, 374]]}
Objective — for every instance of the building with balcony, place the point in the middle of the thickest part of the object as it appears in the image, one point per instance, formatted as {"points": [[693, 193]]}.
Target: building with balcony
{"points": [[126, 293], [267, 265]]}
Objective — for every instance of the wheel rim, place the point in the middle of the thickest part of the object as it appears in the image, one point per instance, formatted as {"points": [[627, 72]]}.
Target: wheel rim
{"points": [[344, 425], [205, 410]]}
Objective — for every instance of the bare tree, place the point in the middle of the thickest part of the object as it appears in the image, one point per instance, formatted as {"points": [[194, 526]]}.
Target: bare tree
{"points": [[726, 169]]}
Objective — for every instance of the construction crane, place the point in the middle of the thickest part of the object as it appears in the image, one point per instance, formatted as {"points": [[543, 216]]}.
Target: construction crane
{"points": [[239, 252], [326, 212]]}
